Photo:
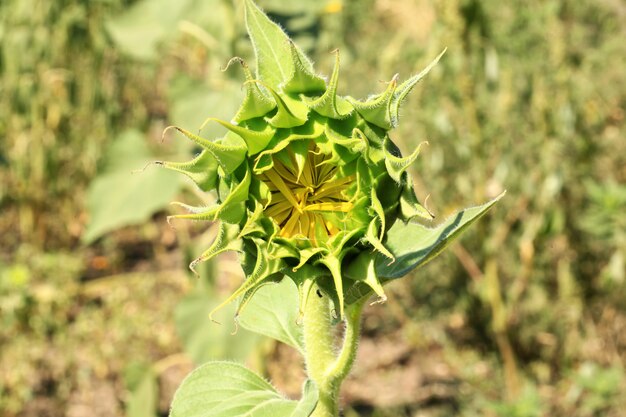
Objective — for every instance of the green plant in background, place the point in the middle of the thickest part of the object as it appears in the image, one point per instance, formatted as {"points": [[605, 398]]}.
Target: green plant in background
{"points": [[56, 119], [309, 186], [604, 220]]}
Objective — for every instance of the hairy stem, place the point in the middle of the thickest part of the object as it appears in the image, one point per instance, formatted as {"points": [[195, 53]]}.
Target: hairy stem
{"points": [[327, 369], [343, 364], [318, 336]]}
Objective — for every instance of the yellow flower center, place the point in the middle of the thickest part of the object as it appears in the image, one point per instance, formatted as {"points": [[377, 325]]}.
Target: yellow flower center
{"points": [[306, 195]]}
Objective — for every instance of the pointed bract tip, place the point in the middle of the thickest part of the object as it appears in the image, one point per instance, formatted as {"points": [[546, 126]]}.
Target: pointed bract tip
{"points": [[140, 170], [167, 129], [207, 120], [212, 319], [234, 332], [425, 205], [394, 80], [193, 264], [233, 60], [257, 81], [168, 219], [380, 300]]}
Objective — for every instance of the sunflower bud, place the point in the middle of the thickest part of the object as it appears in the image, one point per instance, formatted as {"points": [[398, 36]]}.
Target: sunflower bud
{"points": [[305, 179]]}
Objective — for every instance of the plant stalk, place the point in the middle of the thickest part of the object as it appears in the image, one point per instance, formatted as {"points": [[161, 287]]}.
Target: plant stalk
{"points": [[324, 366]]}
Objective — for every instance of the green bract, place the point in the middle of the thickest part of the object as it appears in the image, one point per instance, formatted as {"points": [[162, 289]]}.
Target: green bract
{"points": [[305, 180]]}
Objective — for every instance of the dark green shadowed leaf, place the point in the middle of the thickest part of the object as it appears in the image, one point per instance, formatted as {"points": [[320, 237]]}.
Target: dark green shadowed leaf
{"points": [[413, 244], [225, 389]]}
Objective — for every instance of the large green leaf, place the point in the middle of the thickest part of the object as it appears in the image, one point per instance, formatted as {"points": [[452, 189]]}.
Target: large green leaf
{"points": [[413, 245], [273, 312], [226, 389], [118, 197], [206, 340]]}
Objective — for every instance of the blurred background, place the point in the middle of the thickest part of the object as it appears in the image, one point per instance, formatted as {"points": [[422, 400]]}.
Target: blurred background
{"points": [[526, 316]]}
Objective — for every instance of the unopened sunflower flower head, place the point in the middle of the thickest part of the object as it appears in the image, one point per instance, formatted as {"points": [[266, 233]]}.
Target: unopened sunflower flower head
{"points": [[305, 180]]}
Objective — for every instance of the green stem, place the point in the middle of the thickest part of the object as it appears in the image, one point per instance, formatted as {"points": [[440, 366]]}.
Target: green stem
{"points": [[318, 336], [343, 364], [327, 369]]}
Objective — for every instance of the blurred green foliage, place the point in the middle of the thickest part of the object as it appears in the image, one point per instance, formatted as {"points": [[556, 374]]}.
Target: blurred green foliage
{"points": [[528, 310], [65, 91], [118, 187]]}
